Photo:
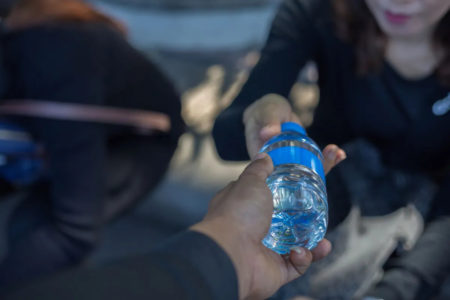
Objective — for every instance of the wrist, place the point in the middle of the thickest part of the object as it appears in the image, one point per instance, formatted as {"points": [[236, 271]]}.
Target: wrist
{"points": [[233, 242]]}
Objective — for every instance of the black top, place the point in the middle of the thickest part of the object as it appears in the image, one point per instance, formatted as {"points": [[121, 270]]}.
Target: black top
{"points": [[393, 113], [189, 266]]}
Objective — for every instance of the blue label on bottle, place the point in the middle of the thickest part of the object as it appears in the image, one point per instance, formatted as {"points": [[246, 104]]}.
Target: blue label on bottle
{"points": [[297, 155]]}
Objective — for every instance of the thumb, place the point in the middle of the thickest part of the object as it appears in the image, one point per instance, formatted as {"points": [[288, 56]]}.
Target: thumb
{"points": [[260, 168], [269, 109], [333, 155], [262, 120]]}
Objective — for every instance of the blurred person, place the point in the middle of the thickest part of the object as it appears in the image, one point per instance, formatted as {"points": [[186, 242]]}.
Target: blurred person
{"points": [[384, 79], [67, 52], [221, 257], [5, 6]]}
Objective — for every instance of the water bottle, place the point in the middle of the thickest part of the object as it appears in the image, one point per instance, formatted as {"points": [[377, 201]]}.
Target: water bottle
{"points": [[300, 215]]}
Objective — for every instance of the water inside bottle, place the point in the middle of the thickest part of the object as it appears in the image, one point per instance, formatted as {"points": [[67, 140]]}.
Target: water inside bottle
{"points": [[300, 214]]}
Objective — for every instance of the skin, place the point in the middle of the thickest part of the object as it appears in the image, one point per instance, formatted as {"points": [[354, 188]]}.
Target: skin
{"points": [[423, 16], [244, 208], [263, 120], [410, 47]]}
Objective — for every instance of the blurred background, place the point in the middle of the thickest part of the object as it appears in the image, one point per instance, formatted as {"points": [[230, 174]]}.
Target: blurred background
{"points": [[206, 47]]}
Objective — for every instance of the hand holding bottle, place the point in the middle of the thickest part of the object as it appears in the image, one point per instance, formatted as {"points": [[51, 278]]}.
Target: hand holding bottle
{"points": [[238, 219], [263, 121]]}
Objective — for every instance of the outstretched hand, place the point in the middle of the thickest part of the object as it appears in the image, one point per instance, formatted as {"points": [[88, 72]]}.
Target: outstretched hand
{"points": [[263, 121], [238, 219]]}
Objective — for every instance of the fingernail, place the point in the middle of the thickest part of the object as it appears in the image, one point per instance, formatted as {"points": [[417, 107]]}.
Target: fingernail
{"points": [[331, 155], [269, 130], [299, 250], [260, 155]]}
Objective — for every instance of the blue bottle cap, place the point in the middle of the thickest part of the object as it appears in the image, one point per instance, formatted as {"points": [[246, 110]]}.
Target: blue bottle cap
{"points": [[295, 154], [291, 126]]}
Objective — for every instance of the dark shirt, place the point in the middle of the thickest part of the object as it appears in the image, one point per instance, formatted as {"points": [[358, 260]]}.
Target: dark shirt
{"points": [[393, 113], [189, 266]]}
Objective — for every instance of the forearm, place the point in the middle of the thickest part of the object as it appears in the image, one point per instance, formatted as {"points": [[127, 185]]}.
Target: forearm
{"points": [[229, 135], [203, 264], [189, 266], [234, 244], [293, 40]]}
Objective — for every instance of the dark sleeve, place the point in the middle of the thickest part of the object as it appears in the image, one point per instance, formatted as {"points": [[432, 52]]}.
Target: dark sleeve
{"points": [[65, 71], [419, 273], [291, 43], [189, 266]]}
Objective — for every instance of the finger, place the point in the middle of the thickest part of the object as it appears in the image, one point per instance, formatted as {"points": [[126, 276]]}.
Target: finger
{"points": [[271, 108], [260, 168], [271, 111], [322, 250], [299, 261], [252, 140], [269, 131], [276, 109], [295, 118], [332, 155], [300, 258], [273, 129]]}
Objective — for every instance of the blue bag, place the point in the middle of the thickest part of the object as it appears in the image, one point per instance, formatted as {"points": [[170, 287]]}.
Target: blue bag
{"points": [[21, 162]]}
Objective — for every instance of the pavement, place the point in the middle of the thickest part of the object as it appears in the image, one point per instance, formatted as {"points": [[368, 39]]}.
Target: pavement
{"points": [[191, 30]]}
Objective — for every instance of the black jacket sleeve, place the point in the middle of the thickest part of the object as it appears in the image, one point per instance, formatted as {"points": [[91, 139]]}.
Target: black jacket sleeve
{"points": [[292, 42], [189, 266]]}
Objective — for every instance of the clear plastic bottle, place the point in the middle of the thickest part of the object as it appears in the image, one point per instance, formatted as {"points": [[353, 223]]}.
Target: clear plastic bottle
{"points": [[300, 216]]}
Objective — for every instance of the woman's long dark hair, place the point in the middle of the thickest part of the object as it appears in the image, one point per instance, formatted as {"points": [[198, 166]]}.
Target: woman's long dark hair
{"points": [[357, 25]]}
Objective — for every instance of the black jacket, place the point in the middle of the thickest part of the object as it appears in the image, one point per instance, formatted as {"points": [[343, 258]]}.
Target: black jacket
{"points": [[189, 266]]}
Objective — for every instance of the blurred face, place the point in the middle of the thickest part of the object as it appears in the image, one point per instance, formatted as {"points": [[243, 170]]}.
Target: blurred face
{"points": [[408, 18]]}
